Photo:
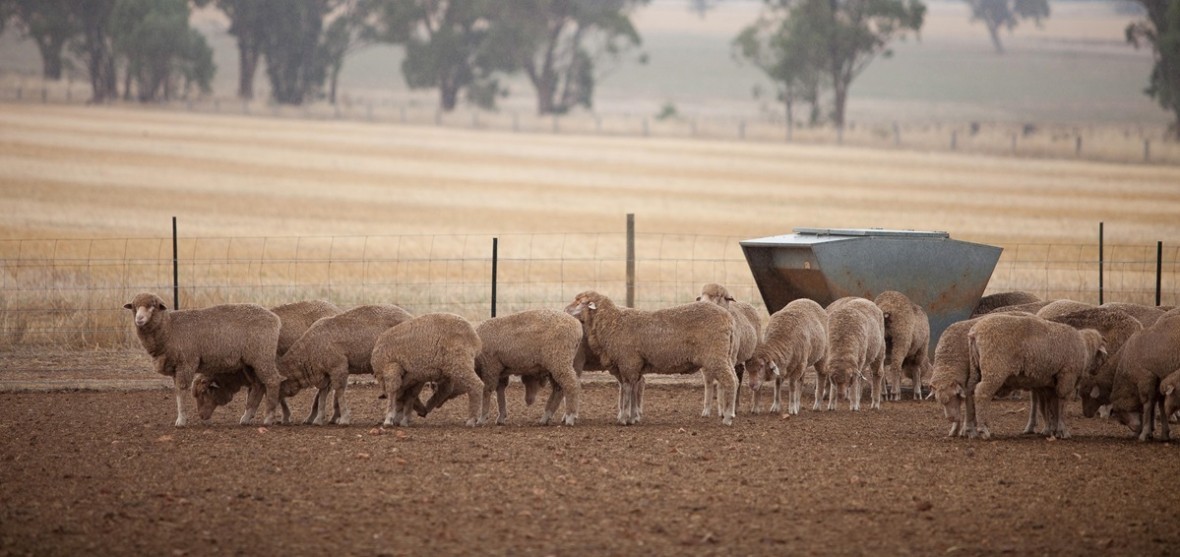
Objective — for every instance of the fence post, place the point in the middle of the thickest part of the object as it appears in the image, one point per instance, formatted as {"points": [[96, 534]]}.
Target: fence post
{"points": [[175, 269], [1159, 269], [896, 133], [1100, 262], [742, 129], [1146, 150], [954, 139], [1077, 149], [495, 261], [630, 260]]}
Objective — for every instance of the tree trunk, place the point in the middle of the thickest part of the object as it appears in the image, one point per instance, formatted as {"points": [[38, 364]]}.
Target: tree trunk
{"points": [[993, 30], [51, 61], [248, 55], [333, 80]]}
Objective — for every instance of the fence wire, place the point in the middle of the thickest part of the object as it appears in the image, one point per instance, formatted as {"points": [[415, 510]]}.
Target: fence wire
{"points": [[70, 292]]}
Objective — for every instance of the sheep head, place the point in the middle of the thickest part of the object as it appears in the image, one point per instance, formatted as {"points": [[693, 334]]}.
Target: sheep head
{"points": [[144, 307], [1171, 393], [211, 392], [951, 395], [584, 304], [716, 294], [760, 369]]}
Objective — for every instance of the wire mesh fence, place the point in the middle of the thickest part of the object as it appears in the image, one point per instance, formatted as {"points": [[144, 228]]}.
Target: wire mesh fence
{"points": [[70, 292]]}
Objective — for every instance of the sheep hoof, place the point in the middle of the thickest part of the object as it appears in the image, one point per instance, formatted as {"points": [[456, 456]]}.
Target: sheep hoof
{"points": [[472, 422], [727, 420], [569, 419], [180, 422]]}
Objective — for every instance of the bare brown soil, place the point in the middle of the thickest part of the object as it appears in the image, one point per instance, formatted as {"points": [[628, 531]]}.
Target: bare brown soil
{"points": [[107, 473]]}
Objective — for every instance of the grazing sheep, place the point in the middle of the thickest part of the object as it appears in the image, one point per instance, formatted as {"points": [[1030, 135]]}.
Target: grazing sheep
{"points": [[1149, 357], [1171, 394], [748, 325], [856, 351], [677, 340], [950, 381], [1147, 315], [907, 341], [217, 340], [296, 318], [1028, 352], [796, 339], [535, 344], [1057, 308], [330, 350], [993, 302], [1115, 326], [438, 347]]}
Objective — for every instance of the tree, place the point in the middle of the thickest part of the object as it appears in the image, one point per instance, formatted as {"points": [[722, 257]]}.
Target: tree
{"points": [[158, 47], [349, 31], [291, 41], [449, 46], [784, 49], [50, 23], [95, 47], [1161, 30], [248, 26], [999, 14], [563, 45]]}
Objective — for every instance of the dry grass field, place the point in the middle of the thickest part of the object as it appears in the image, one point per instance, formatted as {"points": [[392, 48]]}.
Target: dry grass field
{"points": [[94, 172]]}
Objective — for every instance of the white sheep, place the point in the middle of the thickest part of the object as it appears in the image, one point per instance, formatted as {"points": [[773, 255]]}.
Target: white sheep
{"points": [[1146, 361], [856, 351], [1027, 352], [796, 339], [436, 347], [747, 325], [223, 339], [676, 340], [535, 344], [332, 349], [907, 341], [1004, 300], [1057, 308], [296, 318]]}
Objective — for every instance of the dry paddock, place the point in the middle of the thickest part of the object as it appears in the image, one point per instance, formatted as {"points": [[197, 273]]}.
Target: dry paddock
{"points": [[105, 472]]}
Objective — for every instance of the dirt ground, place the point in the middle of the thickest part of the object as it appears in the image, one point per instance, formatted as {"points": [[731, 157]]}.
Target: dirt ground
{"points": [[105, 472]]}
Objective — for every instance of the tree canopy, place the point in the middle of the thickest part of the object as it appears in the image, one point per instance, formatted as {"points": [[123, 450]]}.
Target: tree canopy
{"points": [[1161, 31], [1006, 14]]}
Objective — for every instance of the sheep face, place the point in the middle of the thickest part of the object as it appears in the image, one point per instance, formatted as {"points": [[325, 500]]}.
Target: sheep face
{"points": [[1129, 418], [760, 370], [951, 397], [1171, 393], [144, 306], [1093, 396], [209, 395]]}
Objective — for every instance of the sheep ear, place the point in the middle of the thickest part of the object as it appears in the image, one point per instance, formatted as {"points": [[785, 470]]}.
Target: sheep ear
{"points": [[774, 369], [214, 385], [128, 306], [958, 390], [161, 307], [1095, 392], [1168, 391], [698, 298], [591, 305], [729, 299]]}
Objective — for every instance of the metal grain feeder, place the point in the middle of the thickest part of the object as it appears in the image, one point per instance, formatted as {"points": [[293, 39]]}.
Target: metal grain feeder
{"points": [[946, 277]]}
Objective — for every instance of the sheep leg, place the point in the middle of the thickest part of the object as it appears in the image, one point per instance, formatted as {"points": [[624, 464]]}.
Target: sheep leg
{"points": [[466, 379], [637, 400], [1033, 402], [556, 395], [1165, 429], [727, 381], [391, 377], [565, 382], [796, 394], [819, 393], [253, 398], [776, 396], [342, 414], [624, 402], [182, 380], [710, 394], [984, 391]]}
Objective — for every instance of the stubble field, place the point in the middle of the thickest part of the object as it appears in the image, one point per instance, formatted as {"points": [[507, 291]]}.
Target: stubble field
{"points": [[106, 472]]}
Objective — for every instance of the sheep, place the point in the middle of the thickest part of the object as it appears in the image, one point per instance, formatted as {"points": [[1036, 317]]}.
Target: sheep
{"points": [[1147, 315], [907, 341], [1115, 326], [796, 338], [296, 318], [1149, 357], [1168, 390], [438, 347], [216, 340], [856, 347], [1028, 352], [681, 339], [1057, 308], [534, 344], [993, 302], [748, 325], [330, 350], [951, 377]]}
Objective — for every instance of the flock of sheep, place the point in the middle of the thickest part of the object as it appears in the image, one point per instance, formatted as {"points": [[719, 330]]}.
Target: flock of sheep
{"points": [[1122, 356]]}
